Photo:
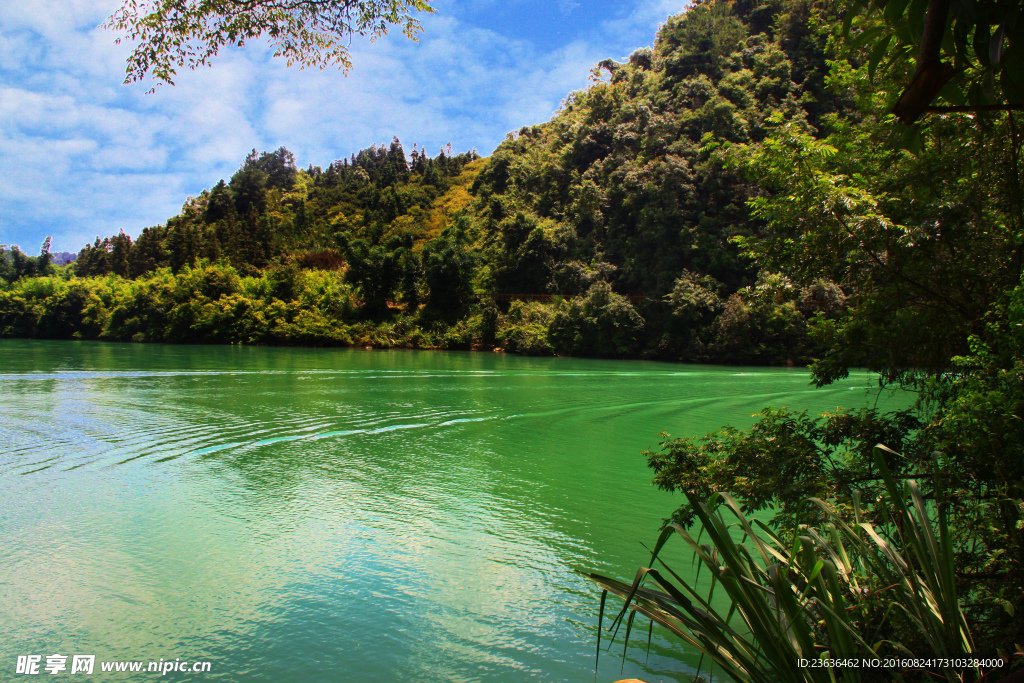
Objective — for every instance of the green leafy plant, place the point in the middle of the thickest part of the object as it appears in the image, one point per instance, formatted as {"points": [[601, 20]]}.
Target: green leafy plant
{"points": [[880, 584]]}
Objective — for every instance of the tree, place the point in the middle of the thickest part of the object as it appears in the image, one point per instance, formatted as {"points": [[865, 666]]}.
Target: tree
{"points": [[523, 257], [148, 253], [925, 245], [249, 185], [170, 34], [396, 169], [960, 50], [279, 167], [448, 269], [24, 266], [120, 247], [220, 205], [412, 272], [94, 260], [6, 267], [925, 253], [44, 264], [599, 323], [375, 269]]}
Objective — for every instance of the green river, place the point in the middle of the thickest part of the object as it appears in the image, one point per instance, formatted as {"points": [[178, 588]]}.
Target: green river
{"points": [[342, 515]]}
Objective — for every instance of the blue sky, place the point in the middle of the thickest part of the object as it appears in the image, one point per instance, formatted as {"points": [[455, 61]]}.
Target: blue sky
{"points": [[82, 155]]}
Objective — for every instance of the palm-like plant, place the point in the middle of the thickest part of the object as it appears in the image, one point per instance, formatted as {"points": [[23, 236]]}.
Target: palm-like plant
{"points": [[847, 589]]}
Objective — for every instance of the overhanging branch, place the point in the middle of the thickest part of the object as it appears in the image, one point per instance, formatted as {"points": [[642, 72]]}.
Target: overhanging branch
{"points": [[974, 108], [930, 73]]}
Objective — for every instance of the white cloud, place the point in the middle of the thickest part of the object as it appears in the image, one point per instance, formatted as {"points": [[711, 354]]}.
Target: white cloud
{"points": [[83, 155]]}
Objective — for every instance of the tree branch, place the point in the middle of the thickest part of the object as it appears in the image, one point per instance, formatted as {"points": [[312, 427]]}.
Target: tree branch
{"points": [[975, 107], [930, 73]]}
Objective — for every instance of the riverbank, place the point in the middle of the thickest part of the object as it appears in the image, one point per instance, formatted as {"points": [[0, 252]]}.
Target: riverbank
{"points": [[292, 306]]}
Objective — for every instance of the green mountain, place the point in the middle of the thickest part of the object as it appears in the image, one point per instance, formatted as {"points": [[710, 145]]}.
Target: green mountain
{"points": [[605, 231]]}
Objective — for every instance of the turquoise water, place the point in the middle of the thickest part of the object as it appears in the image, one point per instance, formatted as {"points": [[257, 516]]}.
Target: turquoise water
{"points": [[332, 515]]}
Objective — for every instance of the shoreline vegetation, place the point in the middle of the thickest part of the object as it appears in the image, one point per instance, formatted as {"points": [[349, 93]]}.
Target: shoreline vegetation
{"points": [[740, 192], [291, 306]]}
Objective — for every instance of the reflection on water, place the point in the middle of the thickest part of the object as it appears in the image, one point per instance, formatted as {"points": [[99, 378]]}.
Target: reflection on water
{"points": [[318, 515]]}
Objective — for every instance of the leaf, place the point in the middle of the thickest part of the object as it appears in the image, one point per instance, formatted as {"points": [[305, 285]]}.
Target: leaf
{"points": [[995, 49], [877, 53], [818, 566], [865, 37], [952, 93], [894, 12], [981, 44], [848, 19], [915, 18], [1012, 88], [951, 40], [912, 139], [975, 95]]}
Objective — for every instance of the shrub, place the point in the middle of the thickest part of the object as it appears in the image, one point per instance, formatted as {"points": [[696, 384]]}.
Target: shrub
{"points": [[600, 323], [524, 329], [762, 324], [848, 588]]}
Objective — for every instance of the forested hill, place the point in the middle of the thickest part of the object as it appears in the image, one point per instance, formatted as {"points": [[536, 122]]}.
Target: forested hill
{"points": [[618, 187], [608, 230], [270, 212], [619, 171]]}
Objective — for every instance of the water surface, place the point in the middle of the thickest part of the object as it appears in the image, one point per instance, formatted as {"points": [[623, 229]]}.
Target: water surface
{"points": [[330, 515]]}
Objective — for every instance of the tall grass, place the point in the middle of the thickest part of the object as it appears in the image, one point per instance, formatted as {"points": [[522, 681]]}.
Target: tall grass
{"points": [[845, 588]]}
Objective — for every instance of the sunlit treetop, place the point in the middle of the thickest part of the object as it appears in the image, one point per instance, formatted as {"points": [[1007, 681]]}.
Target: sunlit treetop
{"points": [[170, 34]]}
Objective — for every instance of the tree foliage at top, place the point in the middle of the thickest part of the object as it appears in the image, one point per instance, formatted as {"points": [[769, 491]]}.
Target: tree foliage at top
{"points": [[619, 181], [171, 34], [17, 265], [270, 211]]}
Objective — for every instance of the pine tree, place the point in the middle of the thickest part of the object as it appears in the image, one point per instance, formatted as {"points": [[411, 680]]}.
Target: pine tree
{"points": [[23, 267], [249, 186], [6, 267], [44, 265], [120, 247], [148, 253]]}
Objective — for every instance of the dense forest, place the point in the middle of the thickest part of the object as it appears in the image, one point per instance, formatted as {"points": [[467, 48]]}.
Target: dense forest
{"points": [[739, 192], [607, 231]]}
